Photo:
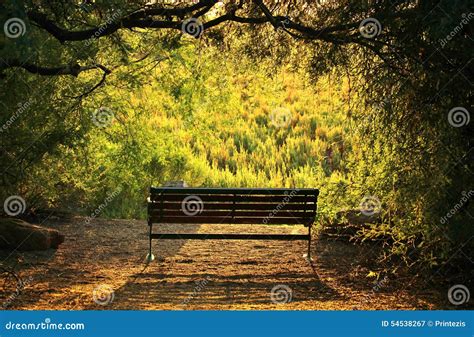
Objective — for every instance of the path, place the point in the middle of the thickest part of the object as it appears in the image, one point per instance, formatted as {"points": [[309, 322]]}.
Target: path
{"points": [[205, 274]]}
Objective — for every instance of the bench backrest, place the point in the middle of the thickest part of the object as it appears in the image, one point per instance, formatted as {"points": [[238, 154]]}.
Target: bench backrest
{"points": [[232, 205]]}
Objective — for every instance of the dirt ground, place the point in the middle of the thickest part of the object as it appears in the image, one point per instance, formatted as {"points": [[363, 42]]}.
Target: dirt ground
{"points": [[101, 266]]}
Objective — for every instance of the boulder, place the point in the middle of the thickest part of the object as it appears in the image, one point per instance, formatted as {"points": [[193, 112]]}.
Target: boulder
{"points": [[356, 217], [20, 235], [177, 183]]}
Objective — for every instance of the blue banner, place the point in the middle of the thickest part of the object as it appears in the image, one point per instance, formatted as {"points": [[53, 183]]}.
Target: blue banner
{"points": [[237, 323]]}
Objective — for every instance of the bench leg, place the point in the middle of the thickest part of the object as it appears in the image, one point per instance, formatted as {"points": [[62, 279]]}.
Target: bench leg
{"points": [[150, 257], [308, 254], [309, 243]]}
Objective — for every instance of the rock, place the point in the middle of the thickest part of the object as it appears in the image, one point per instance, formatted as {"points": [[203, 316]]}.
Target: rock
{"points": [[178, 183], [356, 217], [349, 224], [20, 235]]}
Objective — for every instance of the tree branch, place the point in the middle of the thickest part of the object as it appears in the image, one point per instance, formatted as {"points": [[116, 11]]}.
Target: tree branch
{"points": [[159, 17], [73, 69], [268, 14], [102, 81], [142, 18]]}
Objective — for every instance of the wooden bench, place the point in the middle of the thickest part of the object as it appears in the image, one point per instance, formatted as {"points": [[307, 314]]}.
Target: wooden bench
{"points": [[269, 206]]}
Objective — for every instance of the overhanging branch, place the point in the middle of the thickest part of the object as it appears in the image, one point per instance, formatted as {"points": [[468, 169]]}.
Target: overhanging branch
{"points": [[158, 17], [172, 18], [73, 69]]}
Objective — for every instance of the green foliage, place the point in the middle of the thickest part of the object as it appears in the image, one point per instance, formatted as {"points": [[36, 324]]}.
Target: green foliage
{"points": [[209, 123], [251, 107]]}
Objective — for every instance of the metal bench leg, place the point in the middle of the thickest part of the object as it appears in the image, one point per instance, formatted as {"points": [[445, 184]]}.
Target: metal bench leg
{"points": [[308, 254], [309, 243], [150, 257]]}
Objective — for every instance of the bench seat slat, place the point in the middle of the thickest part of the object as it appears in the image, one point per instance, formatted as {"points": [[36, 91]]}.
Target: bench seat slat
{"points": [[152, 206], [238, 213], [184, 236], [235, 198], [251, 191], [229, 220]]}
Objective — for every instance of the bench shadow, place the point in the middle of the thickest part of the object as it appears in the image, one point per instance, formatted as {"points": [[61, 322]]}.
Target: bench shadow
{"points": [[155, 288], [78, 266]]}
